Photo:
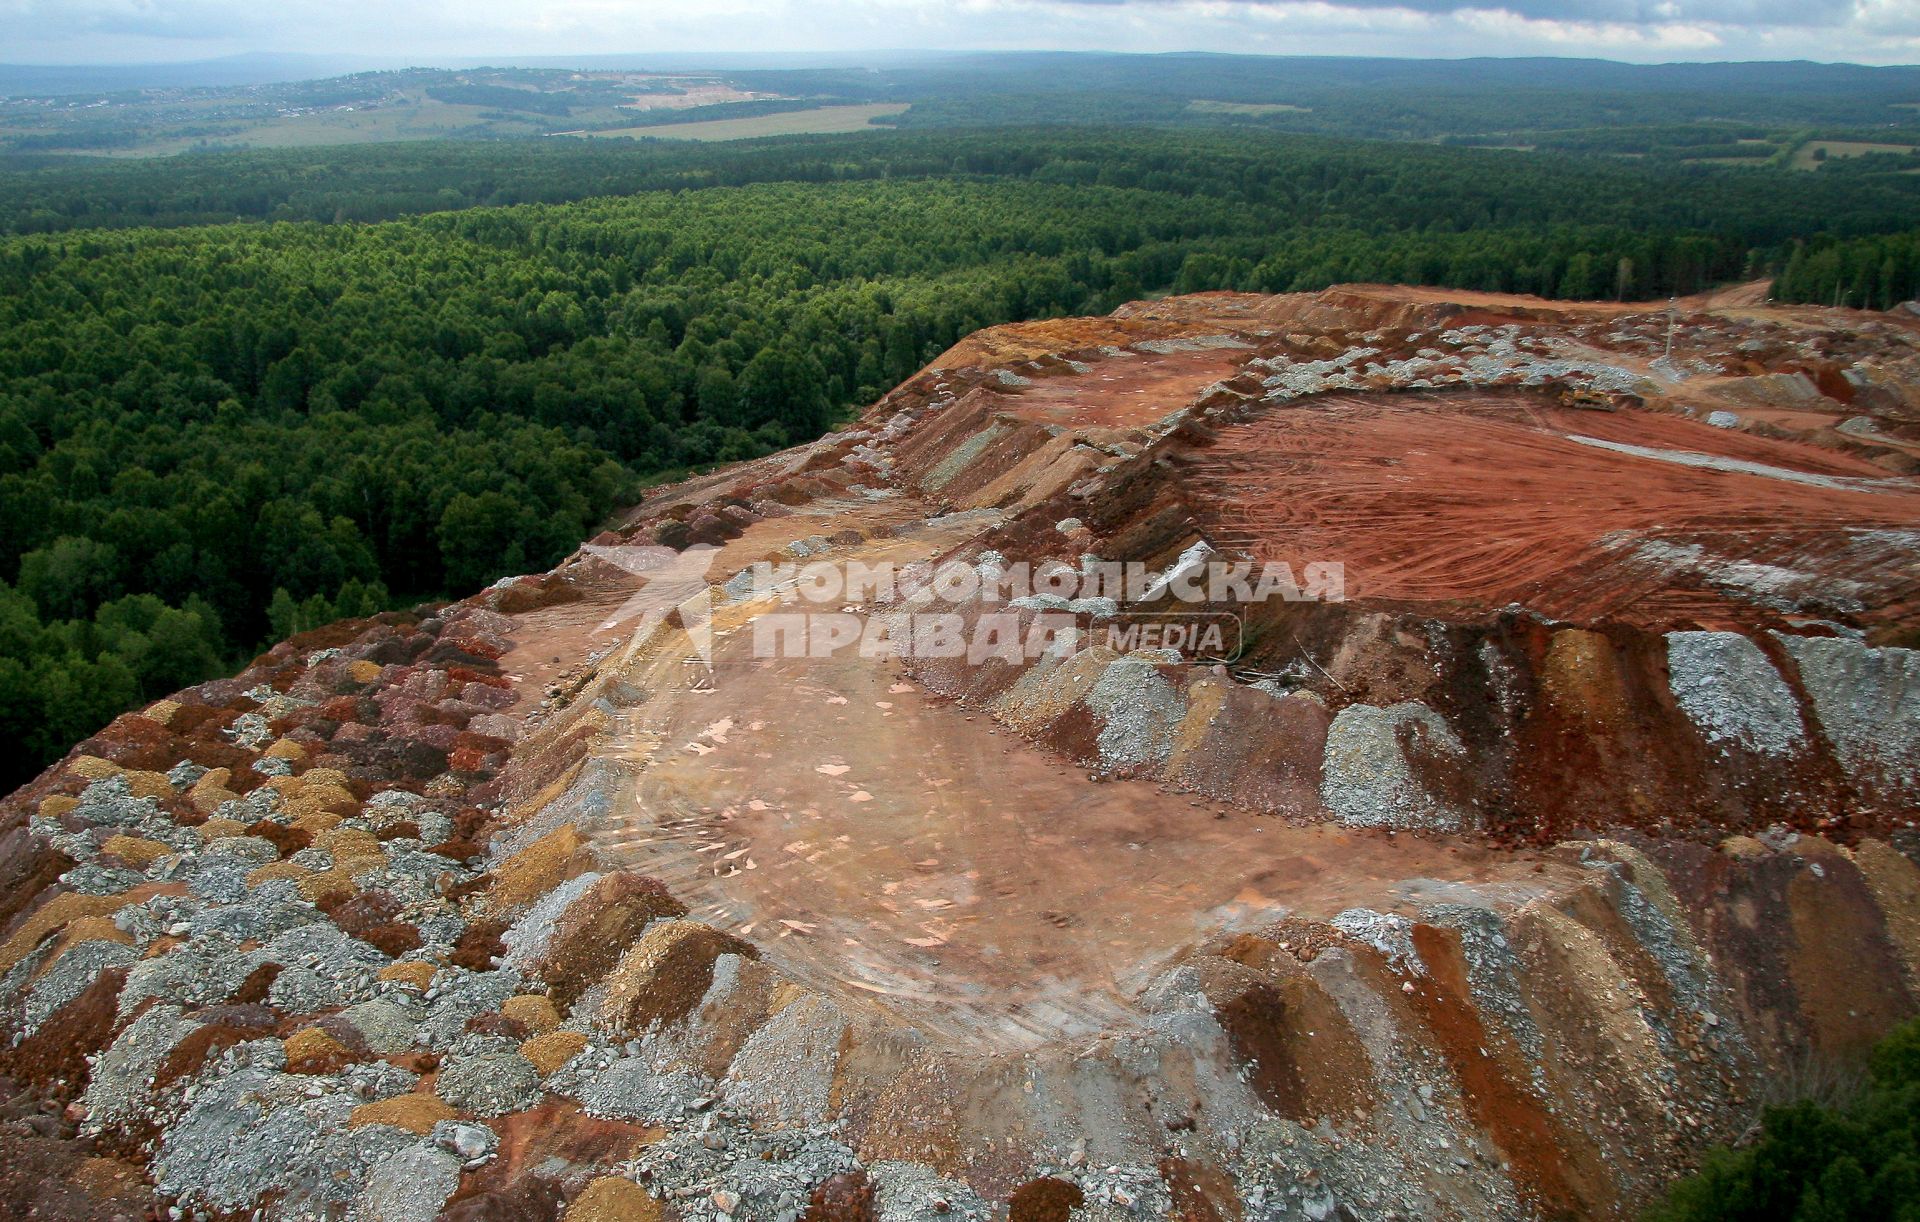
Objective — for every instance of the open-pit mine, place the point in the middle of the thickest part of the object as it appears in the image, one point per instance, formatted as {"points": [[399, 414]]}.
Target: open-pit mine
{"points": [[1553, 817]]}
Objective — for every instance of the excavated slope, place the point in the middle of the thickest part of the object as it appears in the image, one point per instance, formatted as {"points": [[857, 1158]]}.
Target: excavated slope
{"points": [[1501, 886]]}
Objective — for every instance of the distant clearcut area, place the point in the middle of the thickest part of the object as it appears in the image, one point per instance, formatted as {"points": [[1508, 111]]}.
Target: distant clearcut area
{"points": [[1504, 887]]}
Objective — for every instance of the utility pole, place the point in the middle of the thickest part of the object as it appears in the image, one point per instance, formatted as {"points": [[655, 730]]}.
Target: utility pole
{"points": [[1673, 312]]}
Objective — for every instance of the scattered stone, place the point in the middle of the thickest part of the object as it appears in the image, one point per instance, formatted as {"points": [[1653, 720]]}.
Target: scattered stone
{"points": [[1726, 685], [470, 1143], [909, 1192], [491, 1084], [1380, 763]]}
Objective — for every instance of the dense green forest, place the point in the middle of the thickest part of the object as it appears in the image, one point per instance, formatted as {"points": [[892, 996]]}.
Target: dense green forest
{"points": [[1421, 185], [212, 435], [1876, 272]]}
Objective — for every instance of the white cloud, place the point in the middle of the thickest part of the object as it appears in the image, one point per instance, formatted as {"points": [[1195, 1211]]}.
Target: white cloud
{"points": [[1586, 37], [121, 30]]}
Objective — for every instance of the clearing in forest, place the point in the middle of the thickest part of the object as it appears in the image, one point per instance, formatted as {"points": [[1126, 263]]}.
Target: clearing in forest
{"points": [[823, 121]]}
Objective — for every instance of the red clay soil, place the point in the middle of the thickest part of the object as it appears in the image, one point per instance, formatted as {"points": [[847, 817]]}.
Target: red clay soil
{"points": [[554, 1130], [847, 1197], [1490, 498], [55, 1177], [1540, 1151]]}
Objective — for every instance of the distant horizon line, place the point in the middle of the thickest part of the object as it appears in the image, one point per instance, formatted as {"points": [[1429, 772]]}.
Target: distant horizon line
{"points": [[374, 63]]}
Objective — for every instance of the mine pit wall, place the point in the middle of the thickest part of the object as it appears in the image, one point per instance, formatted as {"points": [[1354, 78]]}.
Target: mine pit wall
{"points": [[1584, 729], [1597, 1040], [1565, 1052], [973, 454], [1575, 1050], [1590, 1044]]}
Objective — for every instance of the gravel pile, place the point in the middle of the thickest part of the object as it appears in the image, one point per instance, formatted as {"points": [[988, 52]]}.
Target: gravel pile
{"points": [[720, 1168], [632, 1087], [909, 1192], [1726, 685], [1867, 702], [250, 1129], [1367, 779], [1482, 356], [1139, 710]]}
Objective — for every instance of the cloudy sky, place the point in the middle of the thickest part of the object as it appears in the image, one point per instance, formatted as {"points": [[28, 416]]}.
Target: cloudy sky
{"points": [[130, 31]]}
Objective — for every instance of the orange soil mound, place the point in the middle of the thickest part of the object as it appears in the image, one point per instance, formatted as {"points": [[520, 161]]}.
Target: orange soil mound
{"points": [[1127, 391]]}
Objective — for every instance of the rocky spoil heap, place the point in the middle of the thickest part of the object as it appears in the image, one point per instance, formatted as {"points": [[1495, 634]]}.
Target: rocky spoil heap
{"points": [[1499, 889]]}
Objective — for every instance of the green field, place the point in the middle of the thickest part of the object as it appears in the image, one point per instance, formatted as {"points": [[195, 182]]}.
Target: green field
{"points": [[1207, 106], [377, 108], [417, 117], [1803, 157], [423, 119], [826, 120]]}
